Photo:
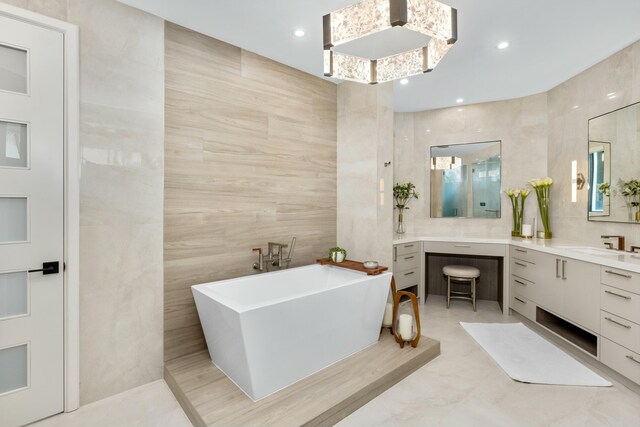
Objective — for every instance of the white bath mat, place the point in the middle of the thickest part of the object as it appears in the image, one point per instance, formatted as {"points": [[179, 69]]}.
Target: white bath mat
{"points": [[527, 357]]}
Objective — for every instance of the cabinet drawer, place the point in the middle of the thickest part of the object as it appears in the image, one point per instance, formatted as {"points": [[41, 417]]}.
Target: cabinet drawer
{"points": [[524, 254], [406, 279], [620, 331], [407, 262], [522, 305], [523, 287], [524, 270], [620, 359], [620, 279], [621, 303], [407, 248], [486, 249]]}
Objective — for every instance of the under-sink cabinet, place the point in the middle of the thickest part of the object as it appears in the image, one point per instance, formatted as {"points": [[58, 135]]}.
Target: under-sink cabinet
{"points": [[620, 321], [407, 266], [565, 287], [595, 307]]}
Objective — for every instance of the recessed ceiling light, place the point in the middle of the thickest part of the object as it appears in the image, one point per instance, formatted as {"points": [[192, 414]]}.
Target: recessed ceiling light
{"points": [[611, 95], [299, 32], [460, 100], [503, 45], [404, 81]]}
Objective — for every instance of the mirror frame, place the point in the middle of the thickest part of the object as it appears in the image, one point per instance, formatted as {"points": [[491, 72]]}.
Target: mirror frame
{"points": [[499, 141], [596, 218]]}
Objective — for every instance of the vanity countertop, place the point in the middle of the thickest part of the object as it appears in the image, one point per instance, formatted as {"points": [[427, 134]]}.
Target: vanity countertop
{"points": [[563, 248]]}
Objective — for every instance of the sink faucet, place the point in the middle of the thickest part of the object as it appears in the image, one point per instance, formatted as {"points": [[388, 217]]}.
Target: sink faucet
{"points": [[609, 245], [275, 256]]}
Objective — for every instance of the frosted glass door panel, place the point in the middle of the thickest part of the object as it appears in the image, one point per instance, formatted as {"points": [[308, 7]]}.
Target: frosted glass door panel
{"points": [[13, 294], [13, 145], [14, 373], [13, 69], [13, 219]]}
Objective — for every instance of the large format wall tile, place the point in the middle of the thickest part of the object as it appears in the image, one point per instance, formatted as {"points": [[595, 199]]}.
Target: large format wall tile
{"points": [[612, 84], [521, 125], [250, 157], [121, 193], [365, 144]]}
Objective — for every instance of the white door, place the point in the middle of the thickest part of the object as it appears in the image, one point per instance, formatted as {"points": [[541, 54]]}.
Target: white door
{"points": [[31, 222]]}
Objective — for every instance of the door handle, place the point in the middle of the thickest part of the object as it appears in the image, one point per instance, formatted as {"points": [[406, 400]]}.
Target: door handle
{"points": [[557, 268], [564, 273], [48, 268]]}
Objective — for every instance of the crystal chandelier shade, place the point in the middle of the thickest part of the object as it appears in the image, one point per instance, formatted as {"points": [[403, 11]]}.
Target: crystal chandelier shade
{"points": [[428, 17]]}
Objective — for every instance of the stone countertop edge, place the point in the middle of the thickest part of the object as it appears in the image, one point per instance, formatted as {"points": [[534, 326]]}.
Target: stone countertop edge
{"points": [[624, 260]]}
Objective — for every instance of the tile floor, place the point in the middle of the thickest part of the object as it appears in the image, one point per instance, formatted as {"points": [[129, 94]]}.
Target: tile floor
{"points": [[462, 387], [151, 405], [465, 387]]}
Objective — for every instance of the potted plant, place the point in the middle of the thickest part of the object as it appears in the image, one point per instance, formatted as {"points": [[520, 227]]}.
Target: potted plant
{"points": [[402, 194], [337, 254], [542, 187], [630, 190]]}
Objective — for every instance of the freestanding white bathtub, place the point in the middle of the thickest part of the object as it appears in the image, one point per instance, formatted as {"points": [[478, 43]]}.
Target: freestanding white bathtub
{"points": [[268, 331]]}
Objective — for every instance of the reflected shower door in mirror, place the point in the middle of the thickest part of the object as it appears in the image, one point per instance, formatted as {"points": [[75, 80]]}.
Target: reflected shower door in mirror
{"points": [[614, 171], [465, 180]]}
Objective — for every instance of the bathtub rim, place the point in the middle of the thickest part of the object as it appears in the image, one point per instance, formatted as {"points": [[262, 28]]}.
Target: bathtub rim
{"points": [[245, 308]]}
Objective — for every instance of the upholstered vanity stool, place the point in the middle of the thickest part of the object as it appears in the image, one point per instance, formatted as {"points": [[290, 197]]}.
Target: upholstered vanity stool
{"points": [[461, 274]]}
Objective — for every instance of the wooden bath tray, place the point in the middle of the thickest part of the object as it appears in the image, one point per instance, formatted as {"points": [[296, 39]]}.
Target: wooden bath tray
{"points": [[353, 265]]}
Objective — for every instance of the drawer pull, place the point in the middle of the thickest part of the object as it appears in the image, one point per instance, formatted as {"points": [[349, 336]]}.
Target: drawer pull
{"points": [[409, 257], [461, 246], [626, 276], [521, 250], [520, 264], [617, 323], [410, 273], [409, 246], [519, 282], [632, 358], [617, 295], [518, 299]]}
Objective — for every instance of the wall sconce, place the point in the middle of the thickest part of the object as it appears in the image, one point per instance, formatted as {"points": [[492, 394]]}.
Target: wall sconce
{"points": [[577, 181]]}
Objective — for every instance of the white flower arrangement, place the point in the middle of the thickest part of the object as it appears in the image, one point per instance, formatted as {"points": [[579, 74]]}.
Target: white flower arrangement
{"points": [[518, 197], [542, 187]]}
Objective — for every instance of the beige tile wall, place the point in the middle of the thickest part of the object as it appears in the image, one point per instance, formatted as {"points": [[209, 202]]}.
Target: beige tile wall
{"points": [[121, 192], [250, 157], [571, 105], [365, 188], [521, 125], [541, 134]]}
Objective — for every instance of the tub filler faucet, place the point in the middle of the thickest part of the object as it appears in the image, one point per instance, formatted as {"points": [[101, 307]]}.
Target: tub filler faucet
{"points": [[274, 256]]}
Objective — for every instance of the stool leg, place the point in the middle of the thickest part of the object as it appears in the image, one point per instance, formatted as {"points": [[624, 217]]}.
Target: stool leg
{"points": [[473, 290], [448, 291]]}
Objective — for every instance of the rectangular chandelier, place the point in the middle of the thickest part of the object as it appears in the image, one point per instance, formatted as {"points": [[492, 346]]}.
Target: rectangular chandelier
{"points": [[428, 17]]}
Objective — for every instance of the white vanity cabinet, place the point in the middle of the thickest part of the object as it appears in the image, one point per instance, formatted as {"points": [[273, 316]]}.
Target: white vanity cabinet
{"points": [[620, 321], [407, 266], [566, 287]]}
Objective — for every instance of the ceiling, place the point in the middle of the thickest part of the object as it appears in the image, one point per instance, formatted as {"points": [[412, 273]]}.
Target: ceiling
{"points": [[550, 41]]}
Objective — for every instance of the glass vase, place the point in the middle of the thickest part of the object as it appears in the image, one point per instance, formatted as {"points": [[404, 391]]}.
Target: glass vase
{"points": [[401, 227]]}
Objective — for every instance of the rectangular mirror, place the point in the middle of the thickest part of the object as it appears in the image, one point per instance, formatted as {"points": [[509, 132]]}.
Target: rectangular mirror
{"points": [[614, 174], [465, 180]]}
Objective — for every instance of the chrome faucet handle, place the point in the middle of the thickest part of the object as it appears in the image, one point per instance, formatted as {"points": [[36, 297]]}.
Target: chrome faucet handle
{"points": [[608, 245], [260, 264], [634, 249], [621, 241]]}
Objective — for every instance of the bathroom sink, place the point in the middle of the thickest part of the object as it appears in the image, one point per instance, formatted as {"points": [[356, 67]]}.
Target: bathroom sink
{"points": [[592, 251]]}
